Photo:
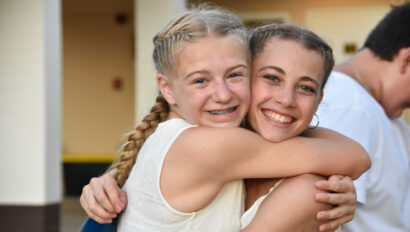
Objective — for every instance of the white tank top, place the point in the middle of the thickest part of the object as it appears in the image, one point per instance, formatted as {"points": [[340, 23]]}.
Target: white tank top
{"points": [[147, 210], [249, 214]]}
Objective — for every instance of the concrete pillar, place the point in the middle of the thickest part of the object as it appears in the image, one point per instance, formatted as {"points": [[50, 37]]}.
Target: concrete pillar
{"points": [[30, 115], [150, 16]]}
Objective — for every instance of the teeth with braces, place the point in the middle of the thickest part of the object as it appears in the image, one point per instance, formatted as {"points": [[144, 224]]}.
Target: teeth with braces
{"points": [[230, 110], [277, 117]]}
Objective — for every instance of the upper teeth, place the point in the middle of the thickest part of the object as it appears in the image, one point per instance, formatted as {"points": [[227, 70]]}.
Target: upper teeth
{"points": [[223, 111], [278, 117]]}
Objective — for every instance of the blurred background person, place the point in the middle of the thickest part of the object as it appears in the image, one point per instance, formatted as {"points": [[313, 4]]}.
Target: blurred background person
{"points": [[363, 99]]}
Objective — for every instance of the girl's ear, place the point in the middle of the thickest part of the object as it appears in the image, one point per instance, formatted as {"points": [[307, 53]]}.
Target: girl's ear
{"points": [[321, 96], [320, 99], [404, 60], [164, 84]]}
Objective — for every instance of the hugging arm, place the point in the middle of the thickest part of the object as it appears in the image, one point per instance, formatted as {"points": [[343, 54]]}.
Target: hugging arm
{"points": [[216, 149], [250, 156]]}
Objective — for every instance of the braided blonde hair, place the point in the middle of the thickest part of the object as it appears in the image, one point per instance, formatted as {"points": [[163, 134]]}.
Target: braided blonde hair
{"points": [[200, 21]]}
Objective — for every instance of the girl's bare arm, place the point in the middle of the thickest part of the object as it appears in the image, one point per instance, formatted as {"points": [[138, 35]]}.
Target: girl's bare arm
{"points": [[235, 153]]}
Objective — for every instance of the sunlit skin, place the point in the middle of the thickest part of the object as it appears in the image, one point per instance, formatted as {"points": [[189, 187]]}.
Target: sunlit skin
{"points": [[286, 89], [212, 87]]}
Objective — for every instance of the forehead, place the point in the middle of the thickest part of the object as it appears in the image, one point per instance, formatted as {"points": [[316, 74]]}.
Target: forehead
{"points": [[210, 52], [279, 46], [289, 54]]}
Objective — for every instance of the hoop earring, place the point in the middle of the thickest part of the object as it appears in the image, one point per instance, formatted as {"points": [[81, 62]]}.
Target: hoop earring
{"points": [[317, 124]]}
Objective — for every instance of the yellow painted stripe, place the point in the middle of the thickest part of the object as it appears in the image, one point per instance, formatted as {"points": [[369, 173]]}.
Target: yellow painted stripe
{"points": [[88, 158]]}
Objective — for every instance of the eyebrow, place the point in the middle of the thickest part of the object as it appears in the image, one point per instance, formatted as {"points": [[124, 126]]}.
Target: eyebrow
{"points": [[307, 78], [303, 78], [272, 67], [203, 71]]}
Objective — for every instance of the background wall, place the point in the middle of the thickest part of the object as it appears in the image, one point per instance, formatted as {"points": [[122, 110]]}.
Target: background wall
{"points": [[344, 26], [30, 94], [296, 8], [150, 18], [98, 74]]}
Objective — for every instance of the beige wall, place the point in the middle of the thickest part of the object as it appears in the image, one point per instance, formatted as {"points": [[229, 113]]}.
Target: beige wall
{"points": [[338, 22], [406, 116], [95, 50], [343, 26], [150, 18], [30, 103], [296, 8]]}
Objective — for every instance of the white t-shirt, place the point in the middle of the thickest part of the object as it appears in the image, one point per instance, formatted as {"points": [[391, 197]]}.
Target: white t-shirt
{"points": [[383, 192], [147, 210], [404, 130]]}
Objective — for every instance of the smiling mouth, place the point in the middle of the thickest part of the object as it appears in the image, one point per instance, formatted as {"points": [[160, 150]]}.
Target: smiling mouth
{"points": [[277, 117], [220, 112]]}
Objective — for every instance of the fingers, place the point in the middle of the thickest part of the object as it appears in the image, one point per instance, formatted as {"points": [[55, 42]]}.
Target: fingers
{"points": [[340, 189], [97, 218], [336, 198], [123, 198], [102, 199], [344, 211], [336, 183], [336, 177], [334, 224], [115, 201], [98, 193], [92, 209], [341, 193]]}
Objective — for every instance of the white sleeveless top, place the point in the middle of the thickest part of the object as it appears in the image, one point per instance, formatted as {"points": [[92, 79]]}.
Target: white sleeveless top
{"points": [[147, 210], [248, 216]]}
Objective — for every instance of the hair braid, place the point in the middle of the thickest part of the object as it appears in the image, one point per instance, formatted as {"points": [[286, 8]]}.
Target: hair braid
{"points": [[129, 151]]}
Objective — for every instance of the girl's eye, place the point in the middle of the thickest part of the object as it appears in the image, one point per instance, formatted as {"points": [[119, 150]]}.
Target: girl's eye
{"points": [[199, 81], [307, 89], [271, 78], [234, 75]]}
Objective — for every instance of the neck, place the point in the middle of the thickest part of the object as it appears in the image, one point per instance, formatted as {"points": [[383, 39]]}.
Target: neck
{"points": [[366, 69]]}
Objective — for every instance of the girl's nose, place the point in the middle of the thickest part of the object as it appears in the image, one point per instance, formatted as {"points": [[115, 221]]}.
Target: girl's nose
{"points": [[221, 92], [286, 97]]}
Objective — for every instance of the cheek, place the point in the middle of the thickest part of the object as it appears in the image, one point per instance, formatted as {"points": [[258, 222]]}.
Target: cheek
{"points": [[244, 93], [243, 89], [308, 109], [192, 99], [261, 91]]}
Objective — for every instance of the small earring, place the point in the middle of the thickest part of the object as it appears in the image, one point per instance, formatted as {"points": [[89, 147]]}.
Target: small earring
{"points": [[317, 124]]}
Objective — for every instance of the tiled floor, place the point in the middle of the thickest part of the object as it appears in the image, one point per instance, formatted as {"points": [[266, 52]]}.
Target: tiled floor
{"points": [[72, 215]]}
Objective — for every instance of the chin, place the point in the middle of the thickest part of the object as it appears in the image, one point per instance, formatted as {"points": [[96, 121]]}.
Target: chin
{"points": [[394, 114], [273, 138], [226, 124]]}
